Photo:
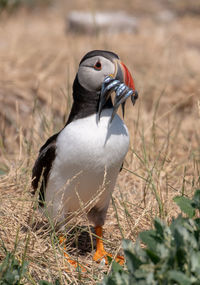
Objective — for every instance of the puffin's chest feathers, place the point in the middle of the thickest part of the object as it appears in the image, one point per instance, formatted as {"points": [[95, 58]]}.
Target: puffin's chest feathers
{"points": [[89, 144]]}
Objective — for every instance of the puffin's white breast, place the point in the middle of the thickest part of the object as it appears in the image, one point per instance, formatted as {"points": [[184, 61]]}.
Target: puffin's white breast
{"points": [[85, 149]]}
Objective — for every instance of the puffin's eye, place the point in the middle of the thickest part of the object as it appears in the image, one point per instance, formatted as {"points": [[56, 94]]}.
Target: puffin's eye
{"points": [[97, 65]]}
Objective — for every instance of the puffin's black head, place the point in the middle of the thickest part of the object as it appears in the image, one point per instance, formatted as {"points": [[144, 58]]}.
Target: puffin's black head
{"points": [[94, 67], [98, 64]]}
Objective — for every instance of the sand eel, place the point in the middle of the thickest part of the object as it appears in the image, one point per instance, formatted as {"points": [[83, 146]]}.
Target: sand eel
{"points": [[89, 151]]}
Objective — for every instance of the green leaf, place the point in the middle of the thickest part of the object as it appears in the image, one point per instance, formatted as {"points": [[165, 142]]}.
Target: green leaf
{"points": [[140, 252], [153, 256], [57, 282], [140, 273], [149, 238], [179, 277], [179, 239], [185, 205], [195, 262], [127, 245], [150, 278], [171, 255], [159, 226], [109, 259], [121, 279], [196, 200], [43, 282], [116, 267], [24, 268], [132, 261], [108, 281], [162, 251], [197, 222]]}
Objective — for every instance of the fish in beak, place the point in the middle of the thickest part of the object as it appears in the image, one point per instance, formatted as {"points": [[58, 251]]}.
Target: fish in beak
{"points": [[121, 82]]}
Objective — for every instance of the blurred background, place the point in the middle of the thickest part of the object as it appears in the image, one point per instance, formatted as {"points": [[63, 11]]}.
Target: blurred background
{"points": [[41, 45]]}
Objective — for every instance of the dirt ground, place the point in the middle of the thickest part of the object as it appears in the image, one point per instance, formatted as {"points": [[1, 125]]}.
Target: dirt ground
{"points": [[39, 58]]}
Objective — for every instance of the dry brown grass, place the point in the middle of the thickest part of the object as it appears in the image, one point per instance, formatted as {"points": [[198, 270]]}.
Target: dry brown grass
{"points": [[38, 64]]}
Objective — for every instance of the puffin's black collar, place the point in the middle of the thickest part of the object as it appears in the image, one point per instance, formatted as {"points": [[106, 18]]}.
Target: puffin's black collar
{"points": [[86, 103]]}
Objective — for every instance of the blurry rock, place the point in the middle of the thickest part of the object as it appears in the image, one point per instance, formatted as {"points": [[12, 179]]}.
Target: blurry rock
{"points": [[106, 22], [165, 16]]}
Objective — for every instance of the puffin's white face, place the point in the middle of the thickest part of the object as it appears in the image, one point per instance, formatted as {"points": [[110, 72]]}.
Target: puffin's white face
{"points": [[93, 71]]}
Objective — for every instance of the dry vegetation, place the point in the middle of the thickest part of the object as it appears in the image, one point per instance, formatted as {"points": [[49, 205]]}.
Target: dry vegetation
{"points": [[39, 60]]}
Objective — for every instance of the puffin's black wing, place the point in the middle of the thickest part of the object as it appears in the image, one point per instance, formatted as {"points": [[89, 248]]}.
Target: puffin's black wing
{"points": [[43, 166]]}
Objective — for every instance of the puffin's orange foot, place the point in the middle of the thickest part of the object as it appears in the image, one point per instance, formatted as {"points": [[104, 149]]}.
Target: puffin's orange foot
{"points": [[77, 266], [72, 262], [102, 254]]}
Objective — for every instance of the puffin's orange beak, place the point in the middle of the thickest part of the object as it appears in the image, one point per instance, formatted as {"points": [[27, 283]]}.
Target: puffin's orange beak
{"points": [[124, 75], [128, 79]]}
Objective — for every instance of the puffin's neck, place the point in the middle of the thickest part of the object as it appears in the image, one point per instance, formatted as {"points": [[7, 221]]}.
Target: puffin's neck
{"points": [[85, 103]]}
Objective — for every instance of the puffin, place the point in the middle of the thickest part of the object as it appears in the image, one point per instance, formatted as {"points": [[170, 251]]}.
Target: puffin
{"points": [[81, 162]]}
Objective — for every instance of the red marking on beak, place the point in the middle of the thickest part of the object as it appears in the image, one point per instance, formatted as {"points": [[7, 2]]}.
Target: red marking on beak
{"points": [[128, 78]]}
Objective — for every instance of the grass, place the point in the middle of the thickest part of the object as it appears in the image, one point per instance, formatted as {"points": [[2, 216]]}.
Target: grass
{"points": [[163, 160]]}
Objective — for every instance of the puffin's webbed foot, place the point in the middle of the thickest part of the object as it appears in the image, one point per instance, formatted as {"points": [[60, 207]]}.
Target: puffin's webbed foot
{"points": [[75, 264], [101, 253]]}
